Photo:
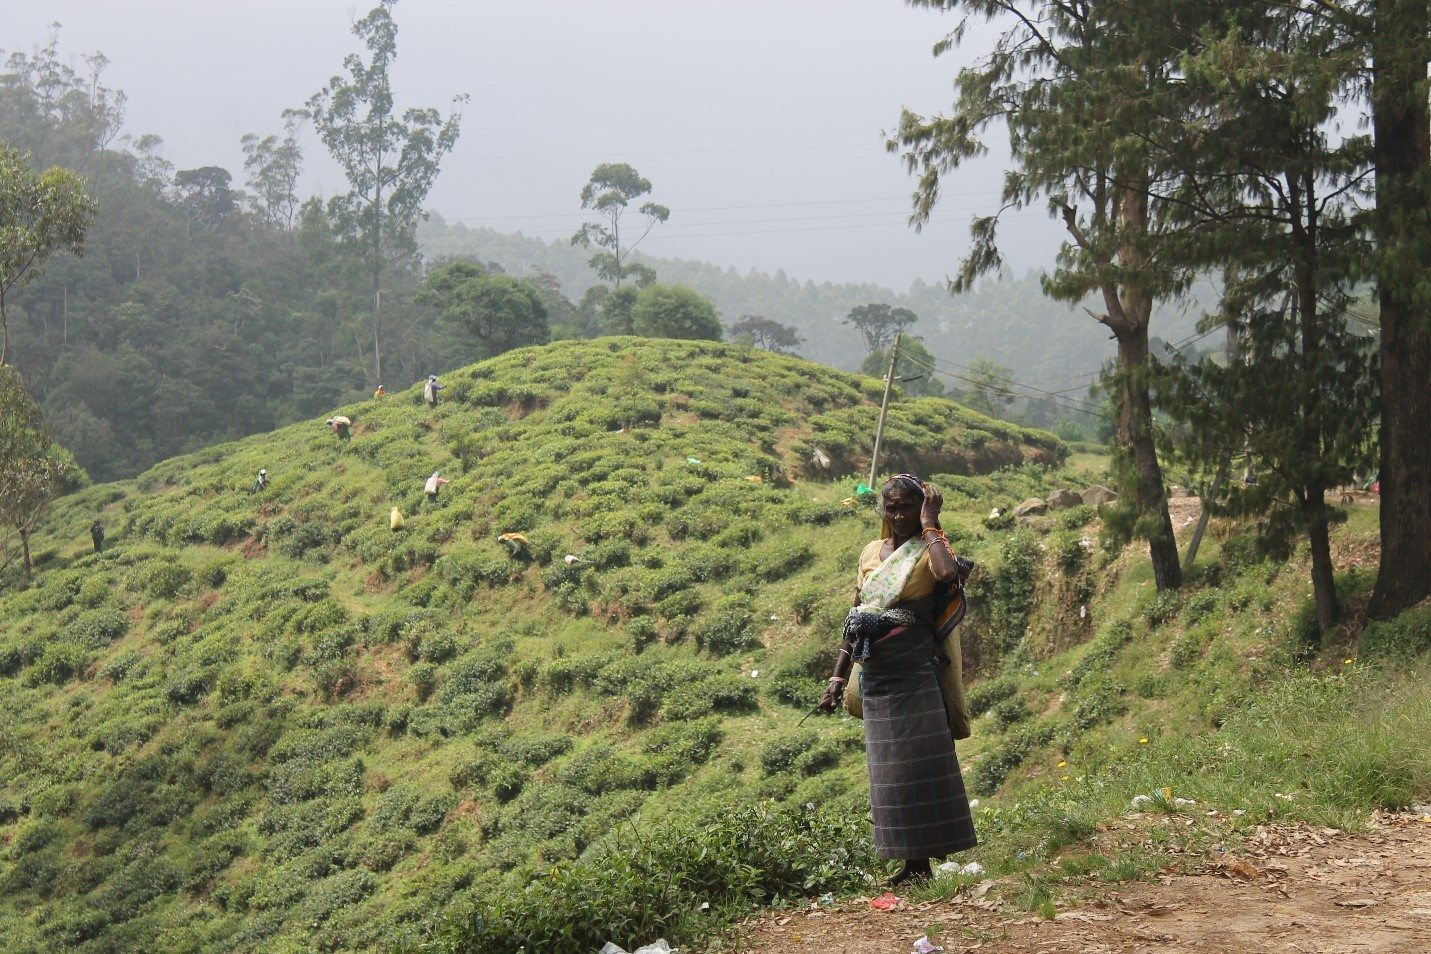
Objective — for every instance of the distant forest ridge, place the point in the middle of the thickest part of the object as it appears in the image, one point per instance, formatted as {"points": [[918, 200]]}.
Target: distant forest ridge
{"points": [[1045, 343]]}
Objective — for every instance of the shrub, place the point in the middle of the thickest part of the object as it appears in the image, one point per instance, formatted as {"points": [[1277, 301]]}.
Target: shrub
{"points": [[804, 601], [57, 663], [1010, 712], [986, 693], [403, 807], [94, 629], [634, 885], [780, 753], [166, 580], [1200, 607], [1101, 652], [1400, 639], [641, 632], [423, 677], [188, 685], [728, 628]]}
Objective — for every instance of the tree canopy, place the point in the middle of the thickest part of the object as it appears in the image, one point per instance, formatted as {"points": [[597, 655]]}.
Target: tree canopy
{"points": [[502, 311], [609, 192], [40, 213], [672, 311]]}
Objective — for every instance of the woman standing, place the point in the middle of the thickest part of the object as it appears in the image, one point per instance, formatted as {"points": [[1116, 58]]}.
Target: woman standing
{"points": [[917, 795]]}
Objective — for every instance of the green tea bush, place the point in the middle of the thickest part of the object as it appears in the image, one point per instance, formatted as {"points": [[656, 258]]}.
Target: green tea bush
{"points": [[729, 627], [986, 693], [403, 807], [634, 886], [707, 563], [724, 693], [188, 685], [424, 678], [433, 646], [1199, 607], [1102, 650], [94, 629], [57, 663], [1009, 712], [1000, 761], [93, 591], [1187, 649], [776, 561]]}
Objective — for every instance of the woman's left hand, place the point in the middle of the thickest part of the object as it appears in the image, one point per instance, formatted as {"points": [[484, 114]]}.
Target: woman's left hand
{"points": [[933, 501]]}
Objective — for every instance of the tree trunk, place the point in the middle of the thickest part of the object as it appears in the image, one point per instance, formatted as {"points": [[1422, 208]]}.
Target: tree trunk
{"points": [[1324, 587], [1309, 330], [1401, 126], [4, 333], [1135, 435], [25, 550]]}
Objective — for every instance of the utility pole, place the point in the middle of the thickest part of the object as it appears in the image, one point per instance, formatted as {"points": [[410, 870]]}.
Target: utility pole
{"points": [[884, 407]]}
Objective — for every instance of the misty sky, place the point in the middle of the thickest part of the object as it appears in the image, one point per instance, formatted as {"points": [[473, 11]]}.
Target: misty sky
{"points": [[758, 121]]}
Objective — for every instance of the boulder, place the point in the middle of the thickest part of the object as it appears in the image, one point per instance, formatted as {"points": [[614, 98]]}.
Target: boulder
{"points": [[1063, 499], [1098, 494], [1030, 507]]}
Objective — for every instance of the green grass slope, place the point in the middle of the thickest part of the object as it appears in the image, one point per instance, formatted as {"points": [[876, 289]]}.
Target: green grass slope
{"points": [[269, 722]]}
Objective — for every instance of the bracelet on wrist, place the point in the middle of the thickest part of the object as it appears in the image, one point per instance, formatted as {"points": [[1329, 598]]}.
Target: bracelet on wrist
{"points": [[836, 679]]}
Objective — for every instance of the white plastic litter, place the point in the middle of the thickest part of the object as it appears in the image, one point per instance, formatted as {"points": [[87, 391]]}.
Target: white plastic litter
{"points": [[972, 869], [973, 803], [659, 947], [1183, 803], [925, 946], [754, 673], [1141, 802], [571, 558]]}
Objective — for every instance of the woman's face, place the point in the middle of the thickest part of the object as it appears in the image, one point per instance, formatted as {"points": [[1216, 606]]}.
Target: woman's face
{"points": [[901, 509]]}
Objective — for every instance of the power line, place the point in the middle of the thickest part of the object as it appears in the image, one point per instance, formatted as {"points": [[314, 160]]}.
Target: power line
{"points": [[666, 236], [1003, 390], [584, 213], [701, 150]]}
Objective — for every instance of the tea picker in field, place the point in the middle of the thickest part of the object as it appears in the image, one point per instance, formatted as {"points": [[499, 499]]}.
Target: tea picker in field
{"points": [[260, 483], [96, 534], [430, 389], [341, 426], [905, 585], [434, 483], [380, 393]]}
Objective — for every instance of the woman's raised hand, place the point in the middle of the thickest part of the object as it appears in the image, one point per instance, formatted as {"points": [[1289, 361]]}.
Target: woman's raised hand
{"points": [[933, 502]]}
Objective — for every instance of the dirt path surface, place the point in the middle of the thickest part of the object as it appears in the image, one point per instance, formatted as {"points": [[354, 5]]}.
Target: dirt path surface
{"points": [[1289, 889]]}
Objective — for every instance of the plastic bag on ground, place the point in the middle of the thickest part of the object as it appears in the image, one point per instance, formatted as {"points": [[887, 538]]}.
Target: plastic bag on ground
{"points": [[658, 947], [925, 946], [885, 902], [395, 520]]}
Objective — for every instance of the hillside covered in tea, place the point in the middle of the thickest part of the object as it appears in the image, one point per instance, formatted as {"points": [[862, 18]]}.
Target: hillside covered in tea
{"points": [[266, 720]]}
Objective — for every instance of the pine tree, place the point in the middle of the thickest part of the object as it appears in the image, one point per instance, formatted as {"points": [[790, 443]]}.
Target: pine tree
{"points": [[1080, 88], [1267, 188]]}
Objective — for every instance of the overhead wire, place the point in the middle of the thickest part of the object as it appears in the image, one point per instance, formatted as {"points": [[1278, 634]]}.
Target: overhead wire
{"points": [[1005, 390]]}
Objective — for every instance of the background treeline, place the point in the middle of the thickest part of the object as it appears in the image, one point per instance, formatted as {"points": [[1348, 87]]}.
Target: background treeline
{"points": [[199, 311], [210, 304], [1006, 319]]}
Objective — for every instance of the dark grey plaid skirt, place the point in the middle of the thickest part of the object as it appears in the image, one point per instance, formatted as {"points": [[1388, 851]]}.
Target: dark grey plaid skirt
{"points": [[916, 792]]}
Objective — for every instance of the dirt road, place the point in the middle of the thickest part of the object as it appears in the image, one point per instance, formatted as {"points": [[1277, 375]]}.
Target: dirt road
{"points": [[1288, 889]]}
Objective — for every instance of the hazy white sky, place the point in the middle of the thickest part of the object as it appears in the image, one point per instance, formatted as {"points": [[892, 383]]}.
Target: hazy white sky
{"points": [[758, 121]]}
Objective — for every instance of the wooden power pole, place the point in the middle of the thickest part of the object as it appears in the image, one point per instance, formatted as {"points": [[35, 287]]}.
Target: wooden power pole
{"points": [[884, 407]]}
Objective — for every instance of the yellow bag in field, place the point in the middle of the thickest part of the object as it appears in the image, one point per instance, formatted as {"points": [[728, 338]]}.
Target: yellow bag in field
{"points": [[395, 520]]}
